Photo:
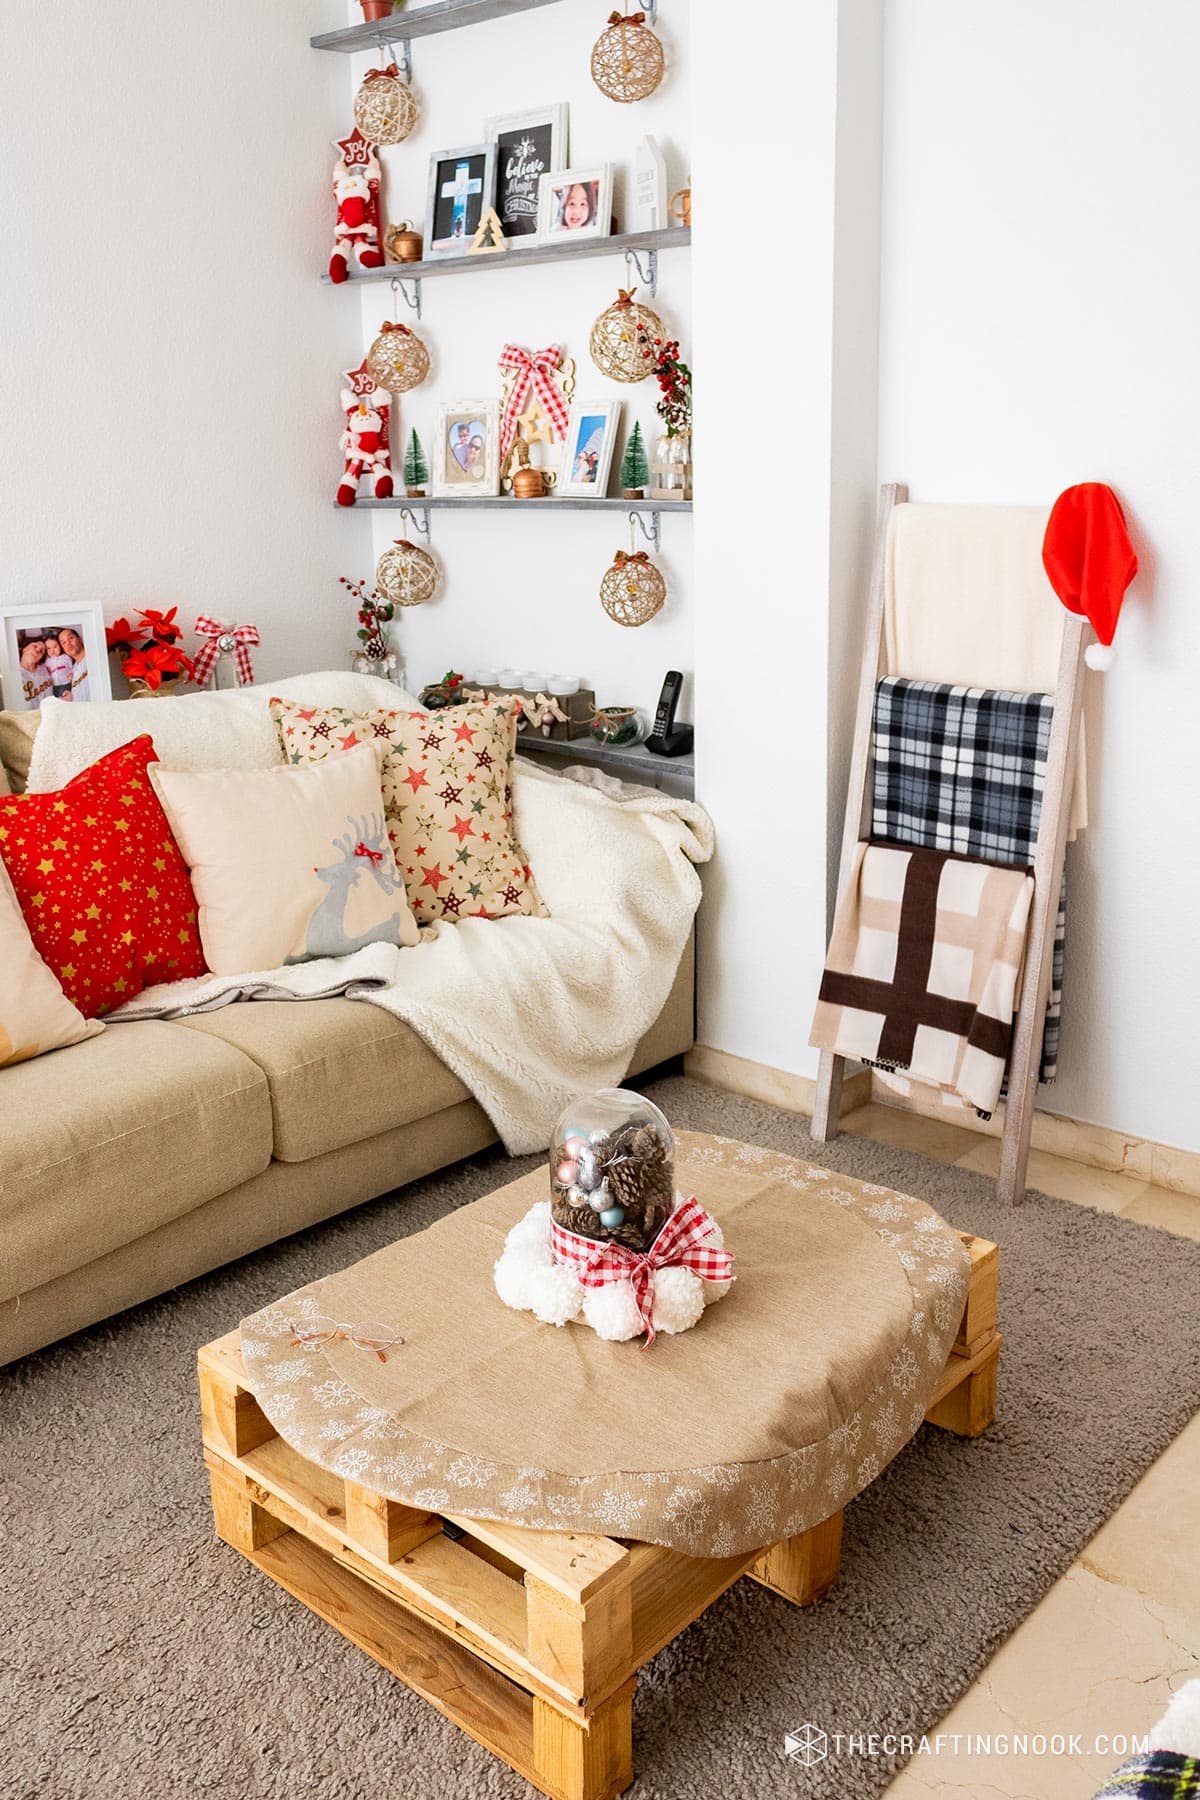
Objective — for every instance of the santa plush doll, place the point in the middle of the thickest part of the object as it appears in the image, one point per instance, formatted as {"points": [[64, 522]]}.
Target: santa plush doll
{"points": [[365, 439], [356, 190]]}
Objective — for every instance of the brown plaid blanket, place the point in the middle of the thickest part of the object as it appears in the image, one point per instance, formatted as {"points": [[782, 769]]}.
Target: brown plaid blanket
{"points": [[924, 968]]}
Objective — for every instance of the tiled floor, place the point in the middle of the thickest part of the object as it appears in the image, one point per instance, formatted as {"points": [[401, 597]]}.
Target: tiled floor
{"points": [[1120, 1632]]}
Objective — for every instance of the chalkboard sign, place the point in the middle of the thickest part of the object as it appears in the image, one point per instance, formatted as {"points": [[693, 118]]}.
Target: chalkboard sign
{"points": [[528, 146]]}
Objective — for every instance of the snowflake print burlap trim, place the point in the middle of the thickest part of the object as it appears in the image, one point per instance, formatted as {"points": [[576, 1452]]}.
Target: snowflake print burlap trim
{"points": [[723, 1509]]}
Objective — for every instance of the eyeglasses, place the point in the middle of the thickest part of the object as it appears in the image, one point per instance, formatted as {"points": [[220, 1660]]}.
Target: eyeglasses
{"points": [[370, 1335]]}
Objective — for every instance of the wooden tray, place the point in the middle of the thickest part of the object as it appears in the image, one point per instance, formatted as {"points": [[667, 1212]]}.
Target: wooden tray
{"points": [[530, 1641]]}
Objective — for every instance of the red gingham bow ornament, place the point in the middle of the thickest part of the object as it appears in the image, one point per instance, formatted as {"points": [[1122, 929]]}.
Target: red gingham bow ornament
{"points": [[536, 372], [213, 631], [681, 1242]]}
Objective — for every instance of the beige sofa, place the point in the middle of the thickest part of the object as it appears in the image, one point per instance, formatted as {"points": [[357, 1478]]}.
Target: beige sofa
{"points": [[160, 1150]]}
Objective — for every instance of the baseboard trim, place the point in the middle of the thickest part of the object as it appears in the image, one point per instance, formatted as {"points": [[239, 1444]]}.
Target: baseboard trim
{"points": [[758, 1081], [1095, 1146]]}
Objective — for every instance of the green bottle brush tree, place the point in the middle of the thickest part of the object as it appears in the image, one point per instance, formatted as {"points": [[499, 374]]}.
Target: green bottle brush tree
{"points": [[635, 469]]}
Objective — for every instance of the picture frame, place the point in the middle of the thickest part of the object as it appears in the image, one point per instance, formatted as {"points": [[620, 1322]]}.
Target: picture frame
{"points": [[588, 449], [528, 145], [462, 468], [76, 670], [575, 204], [461, 186]]}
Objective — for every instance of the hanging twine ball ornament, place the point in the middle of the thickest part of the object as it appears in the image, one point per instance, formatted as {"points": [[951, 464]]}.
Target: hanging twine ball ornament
{"points": [[633, 589], [398, 359], [621, 338], [407, 575], [627, 58], [385, 108]]}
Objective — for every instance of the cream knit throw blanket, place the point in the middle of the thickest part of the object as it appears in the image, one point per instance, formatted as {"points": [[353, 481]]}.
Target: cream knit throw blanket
{"points": [[527, 1012]]}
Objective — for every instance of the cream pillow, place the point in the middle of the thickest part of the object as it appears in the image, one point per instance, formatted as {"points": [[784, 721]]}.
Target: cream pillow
{"points": [[229, 728], [288, 864], [35, 1014]]}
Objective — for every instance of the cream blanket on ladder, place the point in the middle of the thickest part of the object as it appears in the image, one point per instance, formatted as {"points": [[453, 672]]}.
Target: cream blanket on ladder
{"points": [[527, 1012]]}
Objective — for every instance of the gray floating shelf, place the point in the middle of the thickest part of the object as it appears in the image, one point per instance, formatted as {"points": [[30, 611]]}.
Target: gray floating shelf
{"points": [[426, 21], [632, 762], [672, 237], [508, 503]]}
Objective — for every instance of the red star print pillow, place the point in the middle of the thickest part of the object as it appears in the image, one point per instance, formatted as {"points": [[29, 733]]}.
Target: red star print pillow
{"points": [[101, 882], [447, 796]]}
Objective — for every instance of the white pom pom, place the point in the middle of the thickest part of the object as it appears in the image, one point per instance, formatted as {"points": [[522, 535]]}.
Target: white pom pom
{"points": [[532, 1233], [678, 1299], [511, 1279], [1100, 656], [555, 1295], [612, 1312], [715, 1290]]}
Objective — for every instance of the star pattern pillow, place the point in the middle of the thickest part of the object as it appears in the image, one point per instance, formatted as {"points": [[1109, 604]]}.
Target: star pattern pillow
{"points": [[447, 796], [101, 882]]}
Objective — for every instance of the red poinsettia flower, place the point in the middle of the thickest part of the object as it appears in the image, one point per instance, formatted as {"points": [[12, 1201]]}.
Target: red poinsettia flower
{"points": [[119, 632], [161, 625]]}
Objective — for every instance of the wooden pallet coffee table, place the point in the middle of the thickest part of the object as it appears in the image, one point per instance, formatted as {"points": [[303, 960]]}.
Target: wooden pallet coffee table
{"points": [[530, 1641]]}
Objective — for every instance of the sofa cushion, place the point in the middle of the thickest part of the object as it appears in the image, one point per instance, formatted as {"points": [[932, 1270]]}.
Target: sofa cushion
{"points": [[17, 732], [338, 1070], [109, 1139]]}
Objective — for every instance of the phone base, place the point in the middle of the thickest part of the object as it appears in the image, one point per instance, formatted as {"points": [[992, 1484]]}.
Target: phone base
{"points": [[677, 742]]}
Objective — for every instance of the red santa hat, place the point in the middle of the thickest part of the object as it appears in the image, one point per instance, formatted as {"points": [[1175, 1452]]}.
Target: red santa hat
{"points": [[1090, 561]]}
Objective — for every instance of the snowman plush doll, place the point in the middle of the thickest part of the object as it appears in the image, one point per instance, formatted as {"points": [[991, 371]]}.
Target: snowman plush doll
{"points": [[364, 442], [616, 1246]]}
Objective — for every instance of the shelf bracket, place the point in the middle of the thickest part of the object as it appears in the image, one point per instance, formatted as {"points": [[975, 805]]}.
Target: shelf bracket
{"points": [[408, 515], [400, 290], [402, 60], [648, 276], [652, 532], [650, 8]]}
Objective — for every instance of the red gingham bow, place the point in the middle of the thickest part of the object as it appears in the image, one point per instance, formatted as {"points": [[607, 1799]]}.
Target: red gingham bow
{"points": [[536, 372], [680, 1242], [243, 636]]}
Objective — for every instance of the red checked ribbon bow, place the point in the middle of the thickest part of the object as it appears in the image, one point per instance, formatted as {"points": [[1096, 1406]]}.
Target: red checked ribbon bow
{"points": [[681, 1242], [536, 372], [243, 637]]}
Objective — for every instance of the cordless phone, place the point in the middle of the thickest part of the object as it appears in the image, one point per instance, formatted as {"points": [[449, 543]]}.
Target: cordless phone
{"points": [[667, 738]]}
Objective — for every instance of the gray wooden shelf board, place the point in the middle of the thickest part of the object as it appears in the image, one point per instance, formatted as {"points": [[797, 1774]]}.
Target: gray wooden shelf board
{"points": [[508, 503], [631, 760], [671, 237], [425, 21]]}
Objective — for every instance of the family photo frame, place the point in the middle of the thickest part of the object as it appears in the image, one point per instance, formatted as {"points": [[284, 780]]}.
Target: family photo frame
{"points": [[528, 145], [466, 449], [588, 449], [55, 650], [461, 186], [575, 204]]}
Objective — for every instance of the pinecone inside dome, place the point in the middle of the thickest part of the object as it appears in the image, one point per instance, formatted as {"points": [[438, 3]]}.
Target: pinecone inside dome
{"points": [[629, 1168]]}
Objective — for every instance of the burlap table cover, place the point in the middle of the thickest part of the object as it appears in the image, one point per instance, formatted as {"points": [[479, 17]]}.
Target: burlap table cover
{"points": [[781, 1404]]}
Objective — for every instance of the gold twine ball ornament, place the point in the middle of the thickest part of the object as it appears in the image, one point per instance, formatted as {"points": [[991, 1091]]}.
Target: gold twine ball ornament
{"points": [[407, 575], [633, 589], [385, 108], [627, 58], [398, 359], [621, 338]]}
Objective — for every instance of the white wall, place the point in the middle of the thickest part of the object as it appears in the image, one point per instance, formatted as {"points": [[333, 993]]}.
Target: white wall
{"points": [[167, 358], [523, 588], [786, 341], [1040, 273]]}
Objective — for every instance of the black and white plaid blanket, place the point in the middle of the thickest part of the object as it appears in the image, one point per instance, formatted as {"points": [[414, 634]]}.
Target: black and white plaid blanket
{"points": [[963, 769], [1160, 1775]]}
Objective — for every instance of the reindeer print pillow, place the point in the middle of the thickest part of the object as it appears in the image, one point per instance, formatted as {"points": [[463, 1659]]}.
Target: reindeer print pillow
{"points": [[288, 864], [447, 794]]}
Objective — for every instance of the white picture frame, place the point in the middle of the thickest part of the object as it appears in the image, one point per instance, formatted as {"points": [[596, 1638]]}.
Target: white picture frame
{"points": [[26, 682], [528, 145], [588, 449], [558, 204], [455, 455], [462, 184]]}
